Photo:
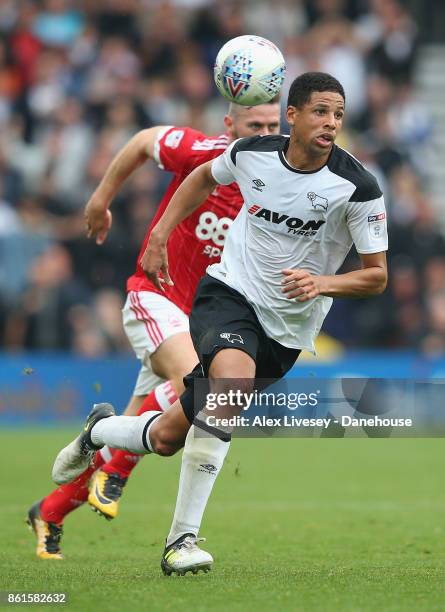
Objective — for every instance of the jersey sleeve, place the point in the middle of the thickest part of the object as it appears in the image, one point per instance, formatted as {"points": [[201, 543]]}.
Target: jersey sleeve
{"points": [[173, 148], [367, 225], [223, 167]]}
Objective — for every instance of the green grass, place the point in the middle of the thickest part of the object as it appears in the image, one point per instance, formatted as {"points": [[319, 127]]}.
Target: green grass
{"points": [[303, 524]]}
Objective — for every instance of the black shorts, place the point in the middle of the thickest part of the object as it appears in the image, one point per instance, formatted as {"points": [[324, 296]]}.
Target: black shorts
{"points": [[222, 318]]}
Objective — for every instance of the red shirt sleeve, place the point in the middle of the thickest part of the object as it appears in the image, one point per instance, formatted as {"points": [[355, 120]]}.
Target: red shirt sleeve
{"points": [[181, 149], [174, 148]]}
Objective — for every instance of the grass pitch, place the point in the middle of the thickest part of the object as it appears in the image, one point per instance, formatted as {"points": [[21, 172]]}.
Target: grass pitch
{"points": [[293, 524]]}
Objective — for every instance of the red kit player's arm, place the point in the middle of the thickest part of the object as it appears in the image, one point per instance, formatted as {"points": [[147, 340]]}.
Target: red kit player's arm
{"points": [[130, 157], [186, 199]]}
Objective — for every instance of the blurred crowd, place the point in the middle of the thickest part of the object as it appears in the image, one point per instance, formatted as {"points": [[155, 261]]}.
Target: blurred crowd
{"points": [[79, 78]]}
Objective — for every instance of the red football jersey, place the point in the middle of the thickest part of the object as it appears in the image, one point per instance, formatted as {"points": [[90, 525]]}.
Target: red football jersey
{"points": [[198, 241]]}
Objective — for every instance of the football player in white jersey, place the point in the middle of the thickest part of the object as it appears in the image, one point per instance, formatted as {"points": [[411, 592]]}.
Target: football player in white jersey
{"points": [[306, 201]]}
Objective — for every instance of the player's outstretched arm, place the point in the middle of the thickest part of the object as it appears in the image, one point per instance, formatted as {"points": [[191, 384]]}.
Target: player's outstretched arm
{"points": [[187, 198], [137, 150], [370, 280]]}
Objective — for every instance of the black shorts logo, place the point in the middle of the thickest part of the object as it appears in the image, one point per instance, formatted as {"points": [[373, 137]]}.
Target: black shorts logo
{"points": [[232, 338]]}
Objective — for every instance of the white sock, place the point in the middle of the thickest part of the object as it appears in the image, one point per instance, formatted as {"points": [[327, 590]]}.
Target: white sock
{"points": [[125, 432], [165, 396], [202, 460]]}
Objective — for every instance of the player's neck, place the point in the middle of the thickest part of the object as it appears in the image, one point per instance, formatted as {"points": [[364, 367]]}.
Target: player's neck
{"points": [[300, 159]]}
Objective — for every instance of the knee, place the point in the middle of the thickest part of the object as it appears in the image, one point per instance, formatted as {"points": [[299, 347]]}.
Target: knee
{"points": [[162, 444], [164, 450]]}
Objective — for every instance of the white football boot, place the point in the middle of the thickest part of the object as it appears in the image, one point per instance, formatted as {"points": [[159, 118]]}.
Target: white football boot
{"points": [[184, 555], [74, 459]]}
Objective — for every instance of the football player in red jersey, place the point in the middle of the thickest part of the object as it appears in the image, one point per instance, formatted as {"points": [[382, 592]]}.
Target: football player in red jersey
{"points": [[157, 322]]}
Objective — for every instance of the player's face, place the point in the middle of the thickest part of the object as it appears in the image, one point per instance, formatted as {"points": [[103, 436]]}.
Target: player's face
{"points": [[261, 120], [315, 126]]}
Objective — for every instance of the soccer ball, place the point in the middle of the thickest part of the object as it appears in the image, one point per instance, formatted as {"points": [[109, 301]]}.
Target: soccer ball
{"points": [[249, 70]]}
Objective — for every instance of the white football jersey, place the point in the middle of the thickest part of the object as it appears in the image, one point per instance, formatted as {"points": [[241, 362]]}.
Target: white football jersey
{"points": [[294, 219]]}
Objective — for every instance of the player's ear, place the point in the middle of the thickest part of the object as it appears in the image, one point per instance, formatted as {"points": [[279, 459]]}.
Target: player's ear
{"points": [[228, 122], [291, 113]]}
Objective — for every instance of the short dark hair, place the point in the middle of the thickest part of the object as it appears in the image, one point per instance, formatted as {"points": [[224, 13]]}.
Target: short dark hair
{"points": [[304, 85]]}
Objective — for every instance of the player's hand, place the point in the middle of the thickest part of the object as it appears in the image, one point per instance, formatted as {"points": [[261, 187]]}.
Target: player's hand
{"points": [[98, 220], [154, 262], [301, 285]]}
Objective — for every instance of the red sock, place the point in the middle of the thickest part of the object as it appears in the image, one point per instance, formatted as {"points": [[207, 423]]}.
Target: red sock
{"points": [[123, 462], [160, 399], [68, 497]]}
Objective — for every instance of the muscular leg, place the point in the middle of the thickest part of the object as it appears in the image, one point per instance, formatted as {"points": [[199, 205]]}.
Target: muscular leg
{"points": [[121, 463], [172, 360], [168, 432], [165, 433]]}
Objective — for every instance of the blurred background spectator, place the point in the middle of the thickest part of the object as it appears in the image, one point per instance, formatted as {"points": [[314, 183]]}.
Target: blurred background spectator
{"points": [[78, 79]]}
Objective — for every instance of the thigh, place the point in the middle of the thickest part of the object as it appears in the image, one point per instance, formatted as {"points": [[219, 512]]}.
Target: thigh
{"points": [[159, 335], [233, 364], [174, 358], [149, 320]]}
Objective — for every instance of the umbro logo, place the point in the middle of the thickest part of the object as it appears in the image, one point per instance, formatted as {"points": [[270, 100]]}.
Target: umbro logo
{"points": [[258, 184], [208, 467], [317, 201]]}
